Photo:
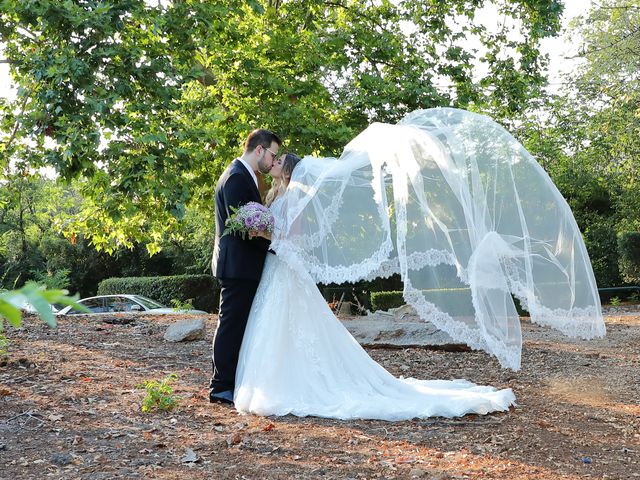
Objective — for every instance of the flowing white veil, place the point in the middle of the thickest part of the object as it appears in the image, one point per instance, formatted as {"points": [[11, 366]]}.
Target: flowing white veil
{"points": [[454, 204]]}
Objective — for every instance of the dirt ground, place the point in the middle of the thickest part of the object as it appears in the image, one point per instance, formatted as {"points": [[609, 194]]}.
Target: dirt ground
{"points": [[69, 408]]}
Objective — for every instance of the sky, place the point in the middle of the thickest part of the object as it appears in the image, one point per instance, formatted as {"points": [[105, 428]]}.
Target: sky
{"points": [[558, 49]]}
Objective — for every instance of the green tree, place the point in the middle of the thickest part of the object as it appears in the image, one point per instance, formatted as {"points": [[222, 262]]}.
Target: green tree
{"points": [[144, 103], [34, 247], [611, 74], [21, 225], [588, 136]]}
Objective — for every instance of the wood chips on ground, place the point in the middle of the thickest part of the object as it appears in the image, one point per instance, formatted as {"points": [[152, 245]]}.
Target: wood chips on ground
{"points": [[69, 408]]}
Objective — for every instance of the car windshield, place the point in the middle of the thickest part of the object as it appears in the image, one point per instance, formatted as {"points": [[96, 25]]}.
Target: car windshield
{"points": [[147, 302], [95, 305]]}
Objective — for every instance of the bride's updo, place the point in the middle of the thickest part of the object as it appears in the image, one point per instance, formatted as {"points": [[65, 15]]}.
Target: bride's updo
{"points": [[279, 185]]}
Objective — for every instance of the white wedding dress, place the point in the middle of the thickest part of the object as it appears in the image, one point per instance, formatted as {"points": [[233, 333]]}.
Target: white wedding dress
{"points": [[453, 204], [297, 358]]}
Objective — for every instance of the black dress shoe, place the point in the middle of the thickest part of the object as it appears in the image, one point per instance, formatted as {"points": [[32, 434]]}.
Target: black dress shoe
{"points": [[221, 397]]}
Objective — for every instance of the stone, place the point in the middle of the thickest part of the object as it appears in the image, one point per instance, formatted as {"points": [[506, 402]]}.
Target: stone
{"points": [[399, 327], [403, 311], [189, 456], [186, 330], [61, 459]]}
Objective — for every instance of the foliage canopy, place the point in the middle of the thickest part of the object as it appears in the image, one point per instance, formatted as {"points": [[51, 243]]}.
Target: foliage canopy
{"points": [[142, 104]]}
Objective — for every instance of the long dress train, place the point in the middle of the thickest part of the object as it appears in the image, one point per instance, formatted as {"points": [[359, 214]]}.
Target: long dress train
{"points": [[297, 358]]}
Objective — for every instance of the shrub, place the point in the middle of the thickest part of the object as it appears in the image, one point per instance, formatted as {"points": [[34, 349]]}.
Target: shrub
{"points": [[386, 300], [159, 395], [353, 293], [458, 298], [601, 241], [201, 291], [629, 256], [519, 308], [57, 280]]}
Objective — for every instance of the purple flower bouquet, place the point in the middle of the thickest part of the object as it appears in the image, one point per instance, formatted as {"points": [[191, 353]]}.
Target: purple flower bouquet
{"points": [[251, 217]]}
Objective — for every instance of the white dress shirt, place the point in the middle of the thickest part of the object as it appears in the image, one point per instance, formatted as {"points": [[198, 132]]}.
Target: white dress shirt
{"points": [[253, 174]]}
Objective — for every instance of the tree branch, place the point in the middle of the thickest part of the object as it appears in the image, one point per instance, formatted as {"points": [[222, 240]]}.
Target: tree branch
{"points": [[617, 7], [356, 13], [605, 47], [27, 33], [14, 132]]}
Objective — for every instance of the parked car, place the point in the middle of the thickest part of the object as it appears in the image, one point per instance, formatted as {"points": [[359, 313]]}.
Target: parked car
{"points": [[28, 308], [123, 304]]}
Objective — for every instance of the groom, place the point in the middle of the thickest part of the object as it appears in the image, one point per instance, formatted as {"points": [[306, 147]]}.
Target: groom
{"points": [[237, 263]]}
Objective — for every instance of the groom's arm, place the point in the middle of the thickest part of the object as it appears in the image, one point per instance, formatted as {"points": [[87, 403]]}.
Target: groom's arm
{"points": [[237, 192]]}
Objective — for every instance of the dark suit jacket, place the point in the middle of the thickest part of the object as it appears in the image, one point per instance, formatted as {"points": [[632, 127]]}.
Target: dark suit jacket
{"points": [[234, 257]]}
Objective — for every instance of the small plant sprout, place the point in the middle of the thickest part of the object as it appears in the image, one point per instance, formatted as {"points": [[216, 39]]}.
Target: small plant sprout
{"points": [[159, 395]]}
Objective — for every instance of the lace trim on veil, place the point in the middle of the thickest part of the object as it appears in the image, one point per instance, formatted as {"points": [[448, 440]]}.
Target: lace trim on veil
{"points": [[574, 322], [465, 194]]}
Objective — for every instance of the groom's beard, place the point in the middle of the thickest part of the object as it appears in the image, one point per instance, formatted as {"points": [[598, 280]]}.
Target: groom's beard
{"points": [[264, 167]]}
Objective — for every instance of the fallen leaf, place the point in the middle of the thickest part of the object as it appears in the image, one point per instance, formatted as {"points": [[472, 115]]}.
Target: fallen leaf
{"points": [[234, 439], [5, 392], [405, 460]]}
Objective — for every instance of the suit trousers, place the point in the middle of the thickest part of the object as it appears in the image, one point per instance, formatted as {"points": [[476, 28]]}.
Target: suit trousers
{"points": [[236, 297]]}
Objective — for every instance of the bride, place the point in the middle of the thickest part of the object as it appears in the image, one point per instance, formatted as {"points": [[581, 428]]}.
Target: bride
{"points": [[456, 206]]}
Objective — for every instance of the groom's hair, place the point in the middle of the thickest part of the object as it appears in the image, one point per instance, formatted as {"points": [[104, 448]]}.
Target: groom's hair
{"points": [[261, 137]]}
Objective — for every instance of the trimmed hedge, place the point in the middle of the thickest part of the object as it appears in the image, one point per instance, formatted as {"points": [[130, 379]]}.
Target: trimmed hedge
{"points": [[203, 291], [386, 300], [458, 298]]}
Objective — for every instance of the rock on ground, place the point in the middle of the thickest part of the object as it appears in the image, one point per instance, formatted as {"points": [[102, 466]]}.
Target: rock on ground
{"points": [[399, 327], [186, 330]]}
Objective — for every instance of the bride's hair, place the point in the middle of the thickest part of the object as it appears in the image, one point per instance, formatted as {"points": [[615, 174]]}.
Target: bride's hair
{"points": [[279, 185]]}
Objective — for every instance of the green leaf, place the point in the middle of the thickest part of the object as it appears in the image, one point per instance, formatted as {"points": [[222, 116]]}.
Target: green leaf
{"points": [[10, 312]]}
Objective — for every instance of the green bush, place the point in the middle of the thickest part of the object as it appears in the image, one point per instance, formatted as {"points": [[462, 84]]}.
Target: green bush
{"points": [[629, 256], [519, 308], [601, 241], [621, 294], [458, 298], [159, 396], [386, 300], [201, 291], [359, 293]]}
